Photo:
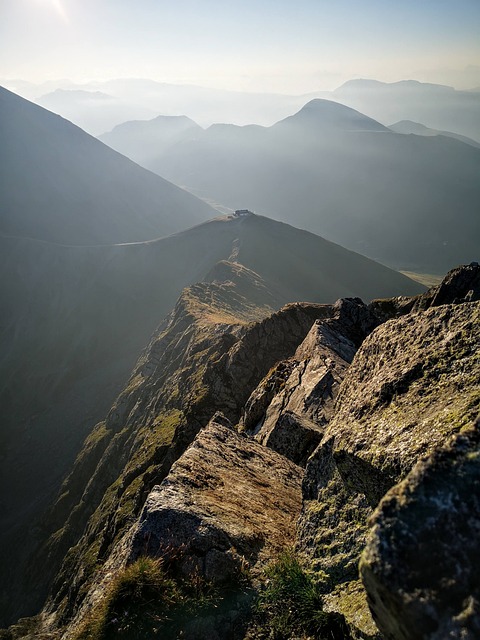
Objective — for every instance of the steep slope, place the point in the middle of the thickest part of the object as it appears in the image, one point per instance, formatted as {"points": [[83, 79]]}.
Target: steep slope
{"points": [[61, 185], [198, 362], [144, 140], [76, 318], [144, 471], [408, 201]]}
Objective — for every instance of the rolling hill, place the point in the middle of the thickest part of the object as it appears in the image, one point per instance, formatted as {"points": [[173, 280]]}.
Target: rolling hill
{"points": [[434, 105], [408, 127], [143, 140]]}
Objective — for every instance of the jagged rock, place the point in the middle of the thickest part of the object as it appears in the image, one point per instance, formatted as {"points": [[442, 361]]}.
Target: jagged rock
{"points": [[459, 285], [227, 503], [306, 385], [420, 565], [207, 356], [412, 384], [293, 436]]}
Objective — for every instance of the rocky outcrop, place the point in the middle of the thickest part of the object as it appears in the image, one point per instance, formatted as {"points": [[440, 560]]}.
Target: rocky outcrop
{"points": [[460, 285], [412, 385], [293, 403], [207, 357], [167, 476], [227, 505], [420, 565], [293, 436]]}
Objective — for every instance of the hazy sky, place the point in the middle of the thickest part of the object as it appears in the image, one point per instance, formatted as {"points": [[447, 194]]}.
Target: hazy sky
{"points": [[261, 45]]}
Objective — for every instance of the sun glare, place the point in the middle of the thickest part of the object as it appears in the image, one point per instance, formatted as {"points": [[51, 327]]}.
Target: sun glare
{"points": [[57, 6]]}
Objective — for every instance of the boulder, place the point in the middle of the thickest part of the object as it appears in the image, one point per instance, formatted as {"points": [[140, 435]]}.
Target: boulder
{"points": [[227, 504], [420, 565]]}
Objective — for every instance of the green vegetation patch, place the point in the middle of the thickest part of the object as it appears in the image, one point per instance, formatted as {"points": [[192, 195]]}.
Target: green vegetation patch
{"points": [[290, 605], [143, 601]]}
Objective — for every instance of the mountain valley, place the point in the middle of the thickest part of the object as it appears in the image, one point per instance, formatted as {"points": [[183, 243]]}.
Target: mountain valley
{"points": [[339, 174]]}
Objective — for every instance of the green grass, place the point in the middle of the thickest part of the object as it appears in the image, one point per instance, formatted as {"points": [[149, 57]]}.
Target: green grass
{"points": [[144, 601], [290, 605]]}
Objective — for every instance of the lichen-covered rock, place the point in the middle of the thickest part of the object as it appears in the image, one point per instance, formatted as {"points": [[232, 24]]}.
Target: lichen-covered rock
{"points": [[228, 503], [420, 565], [461, 284], [350, 600], [413, 383], [332, 531]]}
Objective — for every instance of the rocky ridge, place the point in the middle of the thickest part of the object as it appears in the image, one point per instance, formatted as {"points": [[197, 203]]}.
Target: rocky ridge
{"points": [[199, 362], [372, 397]]}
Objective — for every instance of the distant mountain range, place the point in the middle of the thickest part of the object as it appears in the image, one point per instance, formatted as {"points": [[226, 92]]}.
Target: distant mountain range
{"points": [[93, 111], [59, 184], [408, 127], [434, 105], [143, 140], [409, 201]]}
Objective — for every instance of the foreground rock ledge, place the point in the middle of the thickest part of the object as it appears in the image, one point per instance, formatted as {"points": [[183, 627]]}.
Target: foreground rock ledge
{"points": [[420, 565], [228, 503]]}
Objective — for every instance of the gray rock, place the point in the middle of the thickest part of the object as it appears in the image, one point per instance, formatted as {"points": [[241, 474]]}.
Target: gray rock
{"points": [[290, 407], [459, 285], [292, 436], [420, 565], [227, 504], [411, 386]]}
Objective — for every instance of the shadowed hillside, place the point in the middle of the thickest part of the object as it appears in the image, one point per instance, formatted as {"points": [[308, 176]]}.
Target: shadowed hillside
{"points": [[59, 184]]}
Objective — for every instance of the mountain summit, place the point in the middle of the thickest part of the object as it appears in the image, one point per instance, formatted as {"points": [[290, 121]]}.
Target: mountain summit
{"points": [[330, 117]]}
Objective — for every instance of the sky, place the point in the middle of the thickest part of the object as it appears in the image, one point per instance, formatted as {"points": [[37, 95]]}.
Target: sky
{"points": [[282, 46]]}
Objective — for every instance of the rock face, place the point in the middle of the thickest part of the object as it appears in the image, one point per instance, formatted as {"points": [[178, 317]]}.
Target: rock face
{"points": [[412, 385], [227, 503], [208, 356], [290, 407], [420, 566]]}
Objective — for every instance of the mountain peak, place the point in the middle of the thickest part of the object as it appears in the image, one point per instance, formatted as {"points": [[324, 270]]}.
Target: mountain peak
{"points": [[326, 114]]}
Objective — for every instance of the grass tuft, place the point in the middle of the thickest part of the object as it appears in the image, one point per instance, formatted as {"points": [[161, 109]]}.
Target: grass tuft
{"points": [[144, 602], [290, 605]]}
